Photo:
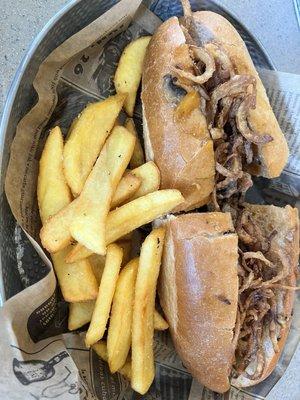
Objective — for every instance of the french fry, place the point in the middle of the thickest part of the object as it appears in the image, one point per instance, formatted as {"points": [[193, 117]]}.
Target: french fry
{"points": [[78, 252], [87, 225], [128, 185], [85, 218], [143, 370], [140, 211], [105, 295], [137, 158], [160, 324], [77, 280], [97, 262], [132, 215], [126, 369], [101, 349], [80, 314], [89, 229], [53, 192], [129, 72], [86, 139], [150, 177], [119, 330]]}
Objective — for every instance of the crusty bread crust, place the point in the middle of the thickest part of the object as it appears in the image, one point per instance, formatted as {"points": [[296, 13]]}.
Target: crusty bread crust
{"points": [[274, 155], [198, 291], [286, 222], [198, 276], [183, 152]]}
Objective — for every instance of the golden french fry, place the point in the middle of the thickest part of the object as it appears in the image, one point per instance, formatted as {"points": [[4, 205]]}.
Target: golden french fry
{"points": [[53, 192], [105, 295], [143, 370], [140, 211], [137, 158], [80, 314], [129, 72], [88, 220], [128, 185], [101, 349], [126, 369], [160, 324], [85, 218], [119, 330], [78, 252], [77, 281], [150, 177], [132, 215], [86, 138], [97, 263], [89, 229], [118, 122]]}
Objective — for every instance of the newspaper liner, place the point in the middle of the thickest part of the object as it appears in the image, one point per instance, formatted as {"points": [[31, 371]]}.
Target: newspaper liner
{"points": [[37, 364]]}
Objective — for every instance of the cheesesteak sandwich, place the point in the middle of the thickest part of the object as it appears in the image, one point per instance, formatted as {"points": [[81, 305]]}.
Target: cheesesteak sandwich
{"points": [[208, 123], [227, 290]]}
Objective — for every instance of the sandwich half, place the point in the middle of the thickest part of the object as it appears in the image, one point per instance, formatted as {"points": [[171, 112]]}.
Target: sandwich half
{"points": [[206, 114], [227, 290]]}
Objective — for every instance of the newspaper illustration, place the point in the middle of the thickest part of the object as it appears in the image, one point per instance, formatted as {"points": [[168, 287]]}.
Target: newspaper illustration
{"points": [[40, 359]]}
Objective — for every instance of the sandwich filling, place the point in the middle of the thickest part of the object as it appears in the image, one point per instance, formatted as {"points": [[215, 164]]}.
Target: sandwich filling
{"points": [[226, 100]]}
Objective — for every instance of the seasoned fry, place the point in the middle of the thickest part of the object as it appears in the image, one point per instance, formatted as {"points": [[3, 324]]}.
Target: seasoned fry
{"points": [[143, 369], [86, 139], [101, 349], [150, 177], [137, 158], [128, 185], [85, 218], [132, 215], [53, 192], [129, 72], [77, 281], [80, 314], [160, 324], [105, 295], [119, 330]]}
